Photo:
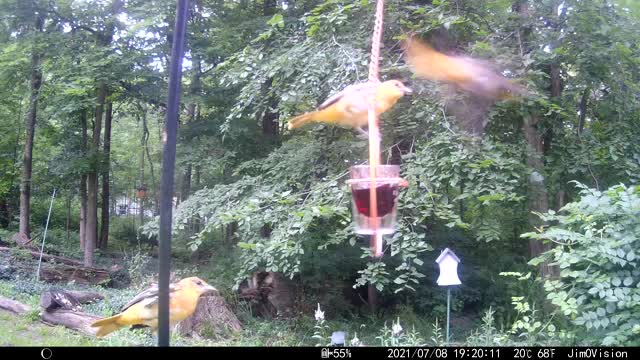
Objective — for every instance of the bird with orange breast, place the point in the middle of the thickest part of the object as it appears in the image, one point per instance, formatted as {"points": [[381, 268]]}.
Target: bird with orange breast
{"points": [[143, 309], [349, 107]]}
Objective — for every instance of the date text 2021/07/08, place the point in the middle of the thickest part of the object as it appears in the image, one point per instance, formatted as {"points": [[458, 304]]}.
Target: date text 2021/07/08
{"points": [[334, 352]]}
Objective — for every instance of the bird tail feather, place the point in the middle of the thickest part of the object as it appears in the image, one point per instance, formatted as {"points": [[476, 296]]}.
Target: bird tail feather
{"points": [[107, 325], [300, 120]]}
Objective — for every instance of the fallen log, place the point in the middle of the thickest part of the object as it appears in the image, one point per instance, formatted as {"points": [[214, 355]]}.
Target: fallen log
{"points": [[80, 275], [71, 319], [85, 297], [13, 306], [46, 257], [66, 300]]}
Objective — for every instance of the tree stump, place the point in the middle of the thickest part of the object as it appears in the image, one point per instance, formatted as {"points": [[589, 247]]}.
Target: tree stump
{"points": [[23, 240], [212, 319]]}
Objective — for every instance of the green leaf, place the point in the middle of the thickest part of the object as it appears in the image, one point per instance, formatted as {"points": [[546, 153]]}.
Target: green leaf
{"points": [[246, 246], [276, 20]]}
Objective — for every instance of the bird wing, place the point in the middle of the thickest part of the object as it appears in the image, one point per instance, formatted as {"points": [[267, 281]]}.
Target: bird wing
{"points": [[356, 90], [474, 75], [434, 65], [149, 296]]}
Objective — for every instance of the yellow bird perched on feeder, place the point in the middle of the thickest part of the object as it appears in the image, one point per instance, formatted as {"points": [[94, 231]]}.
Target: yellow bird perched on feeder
{"points": [[472, 75], [349, 107], [143, 309]]}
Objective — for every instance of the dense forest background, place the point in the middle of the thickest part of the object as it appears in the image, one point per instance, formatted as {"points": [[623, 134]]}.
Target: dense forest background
{"points": [[541, 205]]}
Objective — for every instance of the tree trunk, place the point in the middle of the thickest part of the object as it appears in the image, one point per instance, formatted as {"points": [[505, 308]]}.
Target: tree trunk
{"points": [[141, 200], [186, 183], [196, 220], [6, 205], [584, 100], [91, 232], [5, 213], [83, 183], [156, 194], [538, 196], [269, 7], [104, 233], [69, 216], [372, 298], [27, 160], [270, 117]]}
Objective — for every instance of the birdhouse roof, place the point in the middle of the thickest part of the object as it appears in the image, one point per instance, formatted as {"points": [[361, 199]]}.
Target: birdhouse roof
{"points": [[444, 254]]}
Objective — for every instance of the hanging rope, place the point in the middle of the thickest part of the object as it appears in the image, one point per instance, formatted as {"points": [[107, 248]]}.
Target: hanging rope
{"points": [[374, 133]]}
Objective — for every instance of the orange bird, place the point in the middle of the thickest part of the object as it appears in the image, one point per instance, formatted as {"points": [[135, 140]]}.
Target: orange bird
{"points": [[143, 309], [471, 75], [348, 108]]}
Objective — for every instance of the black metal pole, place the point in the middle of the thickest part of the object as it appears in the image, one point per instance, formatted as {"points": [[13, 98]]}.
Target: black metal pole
{"points": [[168, 167]]}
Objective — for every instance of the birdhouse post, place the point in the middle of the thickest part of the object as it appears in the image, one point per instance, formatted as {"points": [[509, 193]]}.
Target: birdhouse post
{"points": [[448, 263]]}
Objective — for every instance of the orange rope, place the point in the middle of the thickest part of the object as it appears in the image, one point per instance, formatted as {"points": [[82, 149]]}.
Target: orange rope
{"points": [[374, 133]]}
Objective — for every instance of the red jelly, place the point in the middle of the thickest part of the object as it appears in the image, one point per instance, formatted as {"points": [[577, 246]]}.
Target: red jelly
{"points": [[386, 197]]}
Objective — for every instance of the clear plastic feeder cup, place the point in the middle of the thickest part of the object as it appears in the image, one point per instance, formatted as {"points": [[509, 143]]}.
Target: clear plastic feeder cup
{"points": [[388, 183]]}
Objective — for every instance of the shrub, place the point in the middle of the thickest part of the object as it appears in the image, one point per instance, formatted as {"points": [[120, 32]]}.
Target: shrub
{"points": [[597, 238]]}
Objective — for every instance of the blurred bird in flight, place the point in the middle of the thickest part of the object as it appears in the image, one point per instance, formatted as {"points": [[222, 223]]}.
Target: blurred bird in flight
{"points": [[143, 309], [476, 78], [472, 75]]}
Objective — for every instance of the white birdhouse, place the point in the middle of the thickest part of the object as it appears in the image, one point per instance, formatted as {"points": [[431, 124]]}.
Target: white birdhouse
{"points": [[448, 262]]}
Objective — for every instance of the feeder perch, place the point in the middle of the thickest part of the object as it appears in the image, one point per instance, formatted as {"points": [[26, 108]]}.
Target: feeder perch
{"points": [[448, 263], [387, 183]]}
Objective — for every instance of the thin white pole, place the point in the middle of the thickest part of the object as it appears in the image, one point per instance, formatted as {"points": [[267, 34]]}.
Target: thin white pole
{"points": [[45, 235]]}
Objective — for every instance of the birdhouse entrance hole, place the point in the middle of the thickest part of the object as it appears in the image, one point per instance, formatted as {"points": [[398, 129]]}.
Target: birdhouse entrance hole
{"points": [[387, 184]]}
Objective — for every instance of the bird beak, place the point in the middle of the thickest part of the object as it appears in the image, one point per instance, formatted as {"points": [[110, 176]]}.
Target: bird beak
{"points": [[210, 290], [407, 91]]}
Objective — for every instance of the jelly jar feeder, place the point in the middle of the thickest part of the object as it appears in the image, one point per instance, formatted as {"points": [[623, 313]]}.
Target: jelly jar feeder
{"points": [[387, 184]]}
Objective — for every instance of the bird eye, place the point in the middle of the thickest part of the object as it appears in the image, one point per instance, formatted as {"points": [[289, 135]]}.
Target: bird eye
{"points": [[199, 282]]}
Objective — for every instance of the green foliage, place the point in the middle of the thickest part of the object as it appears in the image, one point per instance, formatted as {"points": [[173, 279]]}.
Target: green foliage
{"points": [[453, 178], [487, 334], [596, 239]]}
